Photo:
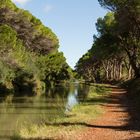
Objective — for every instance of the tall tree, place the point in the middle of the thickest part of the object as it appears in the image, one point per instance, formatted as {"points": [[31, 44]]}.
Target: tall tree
{"points": [[127, 15]]}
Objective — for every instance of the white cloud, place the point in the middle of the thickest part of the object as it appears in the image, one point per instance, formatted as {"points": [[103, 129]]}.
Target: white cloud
{"points": [[22, 2], [48, 8]]}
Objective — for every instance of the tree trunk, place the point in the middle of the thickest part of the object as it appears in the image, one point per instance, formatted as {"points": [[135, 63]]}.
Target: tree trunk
{"points": [[133, 62], [135, 68], [120, 71]]}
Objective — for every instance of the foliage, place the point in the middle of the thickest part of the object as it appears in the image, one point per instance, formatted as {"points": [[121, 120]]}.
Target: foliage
{"points": [[6, 74], [115, 54], [7, 3], [127, 15], [28, 50]]}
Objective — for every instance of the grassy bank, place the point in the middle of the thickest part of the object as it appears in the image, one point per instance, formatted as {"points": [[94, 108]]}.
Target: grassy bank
{"points": [[67, 125]]}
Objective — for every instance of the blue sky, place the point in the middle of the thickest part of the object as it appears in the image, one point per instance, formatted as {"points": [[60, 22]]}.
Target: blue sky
{"points": [[73, 21]]}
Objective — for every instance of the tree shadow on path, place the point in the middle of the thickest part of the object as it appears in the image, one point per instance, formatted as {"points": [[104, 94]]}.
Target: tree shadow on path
{"points": [[119, 98]]}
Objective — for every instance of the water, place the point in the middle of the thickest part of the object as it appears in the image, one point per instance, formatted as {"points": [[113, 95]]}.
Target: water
{"points": [[17, 111]]}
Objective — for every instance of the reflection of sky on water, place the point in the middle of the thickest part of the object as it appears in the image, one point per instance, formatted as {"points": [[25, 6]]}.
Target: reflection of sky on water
{"points": [[72, 100], [18, 110]]}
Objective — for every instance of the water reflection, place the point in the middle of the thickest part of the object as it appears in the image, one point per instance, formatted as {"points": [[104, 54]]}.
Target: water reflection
{"points": [[19, 110], [72, 100]]}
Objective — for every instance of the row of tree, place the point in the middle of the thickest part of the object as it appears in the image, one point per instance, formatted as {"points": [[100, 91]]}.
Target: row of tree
{"points": [[115, 54], [29, 56]]}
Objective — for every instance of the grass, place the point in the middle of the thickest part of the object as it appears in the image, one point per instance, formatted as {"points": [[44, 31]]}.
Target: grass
{"points": [[71, 123]]}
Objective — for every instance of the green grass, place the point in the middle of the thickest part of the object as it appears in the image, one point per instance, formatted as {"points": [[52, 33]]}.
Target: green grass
{"points": [[68, 125]]}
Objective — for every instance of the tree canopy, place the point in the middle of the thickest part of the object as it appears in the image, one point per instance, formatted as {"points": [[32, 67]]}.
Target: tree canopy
{"points": [[115, 54], [29, 55]]}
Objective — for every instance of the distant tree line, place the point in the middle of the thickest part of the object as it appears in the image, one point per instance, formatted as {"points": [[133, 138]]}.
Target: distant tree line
{"points": [[115, 53]]}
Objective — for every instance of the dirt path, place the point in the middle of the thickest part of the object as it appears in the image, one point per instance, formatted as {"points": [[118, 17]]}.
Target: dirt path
{"points": [[114, 124]]}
